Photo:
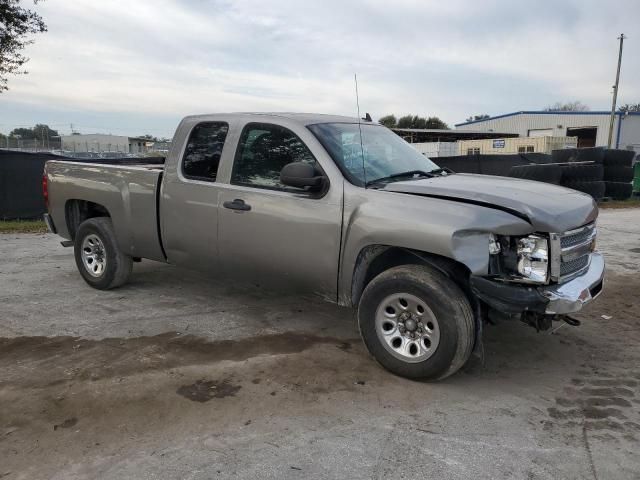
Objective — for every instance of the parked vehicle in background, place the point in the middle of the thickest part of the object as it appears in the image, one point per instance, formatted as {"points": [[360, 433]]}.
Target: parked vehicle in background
{"points": [[349, 211]]}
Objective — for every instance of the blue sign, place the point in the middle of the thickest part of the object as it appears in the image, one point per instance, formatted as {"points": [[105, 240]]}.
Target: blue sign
{"points": [[498, 143]]}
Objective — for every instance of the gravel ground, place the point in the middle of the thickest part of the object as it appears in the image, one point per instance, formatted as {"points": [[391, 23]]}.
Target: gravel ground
{"points": [[177, 375]]}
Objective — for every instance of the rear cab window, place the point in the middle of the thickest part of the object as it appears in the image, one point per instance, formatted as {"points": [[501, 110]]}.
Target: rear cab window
{"points": [[263, 150], [202, 154]]}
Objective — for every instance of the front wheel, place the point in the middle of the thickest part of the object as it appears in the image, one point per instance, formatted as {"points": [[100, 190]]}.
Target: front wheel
{"points": [[99, 259], [416, 322]]}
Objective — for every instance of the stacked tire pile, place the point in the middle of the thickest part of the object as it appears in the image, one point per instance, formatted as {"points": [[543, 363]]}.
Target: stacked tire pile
{"points": [[618, 174], [598, 172]]}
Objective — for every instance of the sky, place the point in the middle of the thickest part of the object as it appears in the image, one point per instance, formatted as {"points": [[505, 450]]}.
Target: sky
{"points": [[137, 67]]}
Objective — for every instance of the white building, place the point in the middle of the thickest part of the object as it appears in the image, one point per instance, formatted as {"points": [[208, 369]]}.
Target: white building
{"points": [[437, 149], [591, 128], [509, 146], [99, 143]]}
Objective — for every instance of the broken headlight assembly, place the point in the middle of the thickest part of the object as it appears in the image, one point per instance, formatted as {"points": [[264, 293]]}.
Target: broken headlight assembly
{"points": [[520, 259]]}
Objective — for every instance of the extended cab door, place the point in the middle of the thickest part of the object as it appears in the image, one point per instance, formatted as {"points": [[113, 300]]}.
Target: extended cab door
{"points": [[272, 234], [190, 193]]}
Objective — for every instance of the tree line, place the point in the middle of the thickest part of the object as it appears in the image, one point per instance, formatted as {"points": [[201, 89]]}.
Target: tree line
{"points": [[412, 121]]}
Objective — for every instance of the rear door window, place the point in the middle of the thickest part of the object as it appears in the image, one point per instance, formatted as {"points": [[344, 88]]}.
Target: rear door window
{"points": [[262, 152], [201, 157]]}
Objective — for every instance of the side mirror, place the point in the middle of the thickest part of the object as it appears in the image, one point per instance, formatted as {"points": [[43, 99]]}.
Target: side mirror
{"points": [[301, 175]]}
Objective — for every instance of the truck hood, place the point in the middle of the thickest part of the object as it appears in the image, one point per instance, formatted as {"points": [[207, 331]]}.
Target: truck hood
{"points": [[548, 208]]}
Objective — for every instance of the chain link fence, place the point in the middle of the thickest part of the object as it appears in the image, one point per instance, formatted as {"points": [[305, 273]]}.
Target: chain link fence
{"points": [[50, 144]]}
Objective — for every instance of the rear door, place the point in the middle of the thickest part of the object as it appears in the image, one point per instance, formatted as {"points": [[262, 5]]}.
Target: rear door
{"points": [[190, 194], [272, 234]]}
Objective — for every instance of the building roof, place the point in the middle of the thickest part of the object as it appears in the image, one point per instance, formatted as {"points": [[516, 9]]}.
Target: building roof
{"points": [[544, 112], [441, 135]]}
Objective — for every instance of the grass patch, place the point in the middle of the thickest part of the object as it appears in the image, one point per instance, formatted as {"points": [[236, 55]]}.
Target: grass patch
{"points": [[633, 202], [22, 226]]}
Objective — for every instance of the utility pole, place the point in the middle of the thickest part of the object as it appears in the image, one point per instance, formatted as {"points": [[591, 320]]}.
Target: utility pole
{"points": [[615, 93]]}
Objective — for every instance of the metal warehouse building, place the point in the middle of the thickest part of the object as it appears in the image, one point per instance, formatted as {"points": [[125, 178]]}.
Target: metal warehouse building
{"points": [[100, 143], [590, 128]]}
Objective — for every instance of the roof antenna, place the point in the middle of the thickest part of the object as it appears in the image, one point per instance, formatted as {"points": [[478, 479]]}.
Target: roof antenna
{"points": [[364, 171]]}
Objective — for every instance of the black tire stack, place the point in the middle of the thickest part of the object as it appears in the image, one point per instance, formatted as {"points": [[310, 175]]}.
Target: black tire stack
{"points": [[596, 171], [618, 174], [549, 173], [571, 155], [585, 177]]}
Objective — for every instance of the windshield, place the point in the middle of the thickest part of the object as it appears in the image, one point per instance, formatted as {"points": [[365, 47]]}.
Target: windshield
{"points": [[385, 153]]}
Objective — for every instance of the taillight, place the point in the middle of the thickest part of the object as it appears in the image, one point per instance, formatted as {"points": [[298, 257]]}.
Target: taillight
{"points": [[45, 190]]}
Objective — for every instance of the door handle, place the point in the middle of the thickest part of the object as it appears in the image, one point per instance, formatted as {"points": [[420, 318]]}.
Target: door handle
{"points": [[237, 204]]}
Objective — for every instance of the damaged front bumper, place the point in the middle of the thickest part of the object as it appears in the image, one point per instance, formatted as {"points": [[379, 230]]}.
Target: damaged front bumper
{"points": [[559, 299]]}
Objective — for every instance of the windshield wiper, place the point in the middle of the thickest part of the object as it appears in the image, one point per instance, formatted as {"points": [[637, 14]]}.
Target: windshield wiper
{"points": [[442, 172], [410, 173]]}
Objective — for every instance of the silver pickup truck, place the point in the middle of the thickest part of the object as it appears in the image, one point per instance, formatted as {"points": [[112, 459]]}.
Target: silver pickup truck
{"points": [[347, 210]]}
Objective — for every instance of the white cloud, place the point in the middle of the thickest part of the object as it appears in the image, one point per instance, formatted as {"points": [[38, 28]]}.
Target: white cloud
{"points": [[164, 59]]}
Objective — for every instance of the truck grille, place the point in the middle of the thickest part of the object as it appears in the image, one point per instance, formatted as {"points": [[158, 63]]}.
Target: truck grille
{"points": [[571, 252], [571, 239], [573, 266]]}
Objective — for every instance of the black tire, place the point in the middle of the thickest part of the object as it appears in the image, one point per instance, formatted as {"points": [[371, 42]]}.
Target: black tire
{"points": [[564, 155], [116, 266], [618, 174], [539, 173], [595, 189], [585, 172], [450, 308], [618, 158], [619, 190], [590, 154]]}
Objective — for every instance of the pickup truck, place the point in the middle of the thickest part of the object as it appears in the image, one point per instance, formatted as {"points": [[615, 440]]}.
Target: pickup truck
{"points": [[345, 209]]}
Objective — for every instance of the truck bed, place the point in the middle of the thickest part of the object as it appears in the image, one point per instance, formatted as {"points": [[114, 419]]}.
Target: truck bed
{"points": [[129, 193]]}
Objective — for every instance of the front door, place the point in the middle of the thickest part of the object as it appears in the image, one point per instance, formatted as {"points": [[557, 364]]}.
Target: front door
{"points": [[271, 234]]}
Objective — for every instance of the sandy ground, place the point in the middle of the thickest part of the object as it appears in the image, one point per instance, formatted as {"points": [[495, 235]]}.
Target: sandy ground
{"points": [[181, 376]]}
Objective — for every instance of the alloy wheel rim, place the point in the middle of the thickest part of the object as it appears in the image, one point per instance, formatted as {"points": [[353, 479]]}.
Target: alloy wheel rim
{"points": [[94, 257], [407, 327]]}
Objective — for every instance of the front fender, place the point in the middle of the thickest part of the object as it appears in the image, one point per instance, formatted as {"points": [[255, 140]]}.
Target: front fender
{"points": [[454, 230]]}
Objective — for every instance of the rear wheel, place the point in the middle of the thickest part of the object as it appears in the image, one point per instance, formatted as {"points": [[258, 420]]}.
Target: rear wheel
{"points": [[416, 322], [99, 259]]}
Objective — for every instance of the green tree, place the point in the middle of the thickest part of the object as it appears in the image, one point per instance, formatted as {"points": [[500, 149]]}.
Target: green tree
{"points": [[17, 24], [436, 123], [39, 132], [634, 107], [576, 106], [151, 138], [475, 118], [388, 121], [405, 122], [415, 121]]}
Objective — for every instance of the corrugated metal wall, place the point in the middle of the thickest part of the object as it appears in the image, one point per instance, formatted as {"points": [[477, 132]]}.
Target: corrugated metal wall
{"points": [[521, 123], [629, 133]]}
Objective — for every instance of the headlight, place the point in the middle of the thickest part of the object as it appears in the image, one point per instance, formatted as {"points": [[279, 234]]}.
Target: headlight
{"points": [[533, 258]]}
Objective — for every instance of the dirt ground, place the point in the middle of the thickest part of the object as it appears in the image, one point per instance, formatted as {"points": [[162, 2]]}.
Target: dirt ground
{"points": [[177, 375]]}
